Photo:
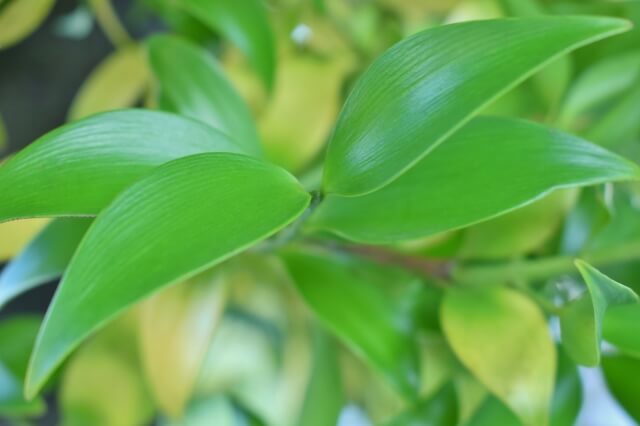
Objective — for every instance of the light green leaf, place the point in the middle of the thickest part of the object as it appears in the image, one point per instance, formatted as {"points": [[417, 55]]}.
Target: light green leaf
{"points": [[370, 307], [598, 85], [581, 320], [440, 409], [19, 18], [176, 328], [623, 379], [217, 410], [620, 328], [78, 169], [520, 231], [324, 397], [424, 88], [245, 23], [502, 337], [44, 259], [586, 219], [621, 124], [117, 82], [182, 218], [192, 81], [489, 167], [102, 386]]}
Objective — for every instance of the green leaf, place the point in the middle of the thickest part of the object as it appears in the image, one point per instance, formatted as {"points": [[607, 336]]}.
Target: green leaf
{"points": [[465, 181], [117, 82], [622, 374], [598, 85], [195, 86], [324, 397], [493, 412], [245, 24], [163, 229], [370, 307], [581, 320], [78, 169], [12, 402], [18, 335], [218, 410], [502, 337], [620, 328], [440, 409], [19, 18], [427, 86], [620, 125], [567, 396], [44, 259], [176, 328]]}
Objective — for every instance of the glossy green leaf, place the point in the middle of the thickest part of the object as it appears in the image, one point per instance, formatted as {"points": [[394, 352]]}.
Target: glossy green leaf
{"points": [[439, 410], [623, 379], [581, 320], [195, 85], [44, 259], [424, 88], [502, 337], [368, 306], [324, 397], [117, 82], [19, 18], [163, 229], [77, 169], [176, 328], [245, 24], [620, 328], [491, 166]]}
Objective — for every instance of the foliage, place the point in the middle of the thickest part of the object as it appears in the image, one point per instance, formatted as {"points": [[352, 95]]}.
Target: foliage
{"points": [[328, 211]]}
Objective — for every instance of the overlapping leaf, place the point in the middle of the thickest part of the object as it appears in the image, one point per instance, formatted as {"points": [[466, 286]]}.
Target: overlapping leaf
{"points": [[185, 216], [192, 83], [424, 88], [78, 169], [353, 298], [245, 24], [489, 167]]}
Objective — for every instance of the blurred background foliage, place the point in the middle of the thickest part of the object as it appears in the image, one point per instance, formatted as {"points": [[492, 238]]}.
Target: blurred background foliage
{"points": [[240, 345]]}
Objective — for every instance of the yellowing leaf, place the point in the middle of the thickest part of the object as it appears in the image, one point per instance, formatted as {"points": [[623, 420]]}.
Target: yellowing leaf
{"points": [[176, 328], [118, 82], [502, 337], [18, 18]]}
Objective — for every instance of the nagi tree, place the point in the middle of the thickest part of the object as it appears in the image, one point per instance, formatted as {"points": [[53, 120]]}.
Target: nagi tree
{"points": [[331, 212]]}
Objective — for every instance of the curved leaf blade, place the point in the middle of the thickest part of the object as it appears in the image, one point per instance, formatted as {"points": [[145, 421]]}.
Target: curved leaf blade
{"points": [[581, 321], [44, 259], [195, 86], [489, 167], [245, 23], [424, 88], [182, 218], [622, 374], [502, 337], [78, 169]]}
